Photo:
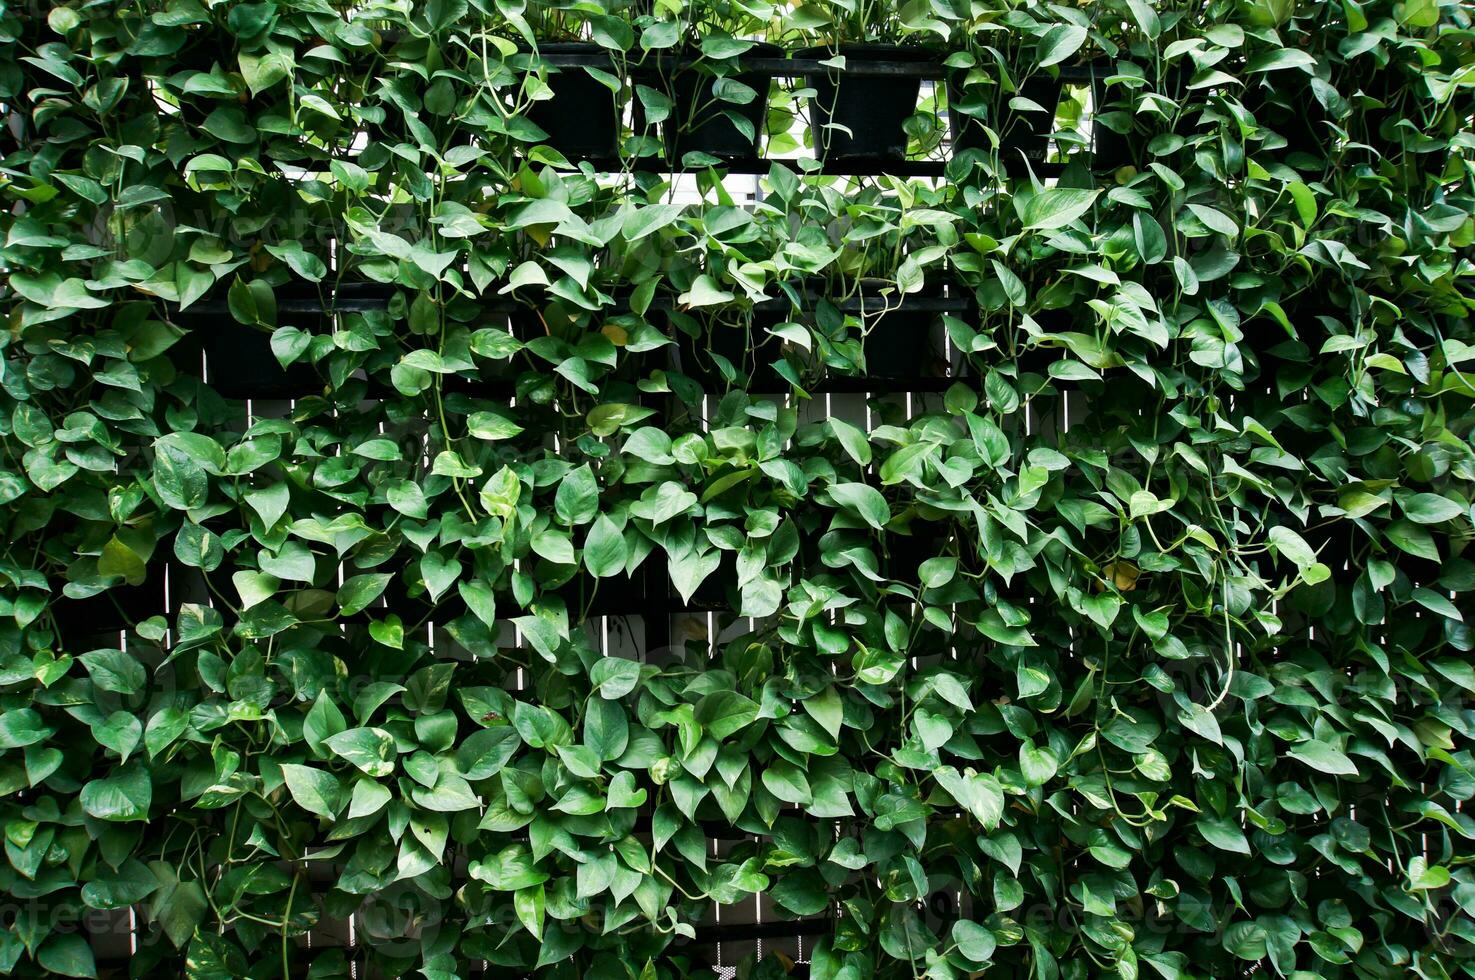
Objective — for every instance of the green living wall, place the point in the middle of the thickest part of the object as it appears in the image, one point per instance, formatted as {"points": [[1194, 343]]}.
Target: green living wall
{"points": [[1077, 523]]}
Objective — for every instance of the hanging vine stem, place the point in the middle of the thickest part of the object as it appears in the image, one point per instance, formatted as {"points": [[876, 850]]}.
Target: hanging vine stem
{"points": [[1229, 652]]}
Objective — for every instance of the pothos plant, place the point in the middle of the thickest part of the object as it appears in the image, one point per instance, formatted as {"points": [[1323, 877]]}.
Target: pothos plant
{"points": [[1136, 647], [565, 20], [866, 21]]}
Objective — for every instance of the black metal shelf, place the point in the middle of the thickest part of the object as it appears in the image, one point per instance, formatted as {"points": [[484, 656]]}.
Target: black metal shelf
{"points": [[737, 932], [792, 67], [829, 168], [365, 297]]}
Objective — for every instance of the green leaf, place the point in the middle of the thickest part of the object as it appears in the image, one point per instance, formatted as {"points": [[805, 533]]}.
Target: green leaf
{"points": [[406, 497], [1060, 42], [690, 569], [606, 729], [1292, 546], [480, 599], [1223, 834], [854, 442], [501, 493], [492, 427], [615, 677], [371, 749], [704, 292], [123, 796], [1430, 508], [974, 941], [117, 888], [20, 727], [1423, 876], [439, 573], [114, 670], [979, 793], [529, 905], [67, 955], [787, 782], [1437, 603], [323, 719], [1413, 539], [605, 551], [163, 728], [577, 499], [828, 708], [555, 546], [510, 870], [293, 562], [121, 561], [642, 221], [269, 502], [451, 794], [865, 500], [302, 262], [1280, 59], [359, 592], [723, 713], [254, 588], [1323, 758], [934, 573], [314, 790], [483, 753], [177, 906], [1055, 207], [121, 732], [1037, 764]]}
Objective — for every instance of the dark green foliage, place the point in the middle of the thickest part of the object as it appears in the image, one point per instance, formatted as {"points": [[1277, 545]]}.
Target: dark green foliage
{"points": [[1143, 632]]}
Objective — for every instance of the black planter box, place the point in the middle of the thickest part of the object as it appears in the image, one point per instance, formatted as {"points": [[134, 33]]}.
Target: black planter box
{"points": [[406, 597], [699, 121], [873, 108], [1024, 137], [1271, 348], [752, 351], [902, 343], [1037, 358], [581, 120], [119, 608], [238, 362], [1293, 112], [1112, 149], [905, 553]]}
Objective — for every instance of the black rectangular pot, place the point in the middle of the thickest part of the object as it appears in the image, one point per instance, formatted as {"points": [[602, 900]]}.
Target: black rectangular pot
{"points": [[1024, 137], [119, 608], [582, 120], [238, 362], [751, 351], [700, 122], [901, 343], [1112, 150], [1292, 111], [873, 108], [905, 553]]}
